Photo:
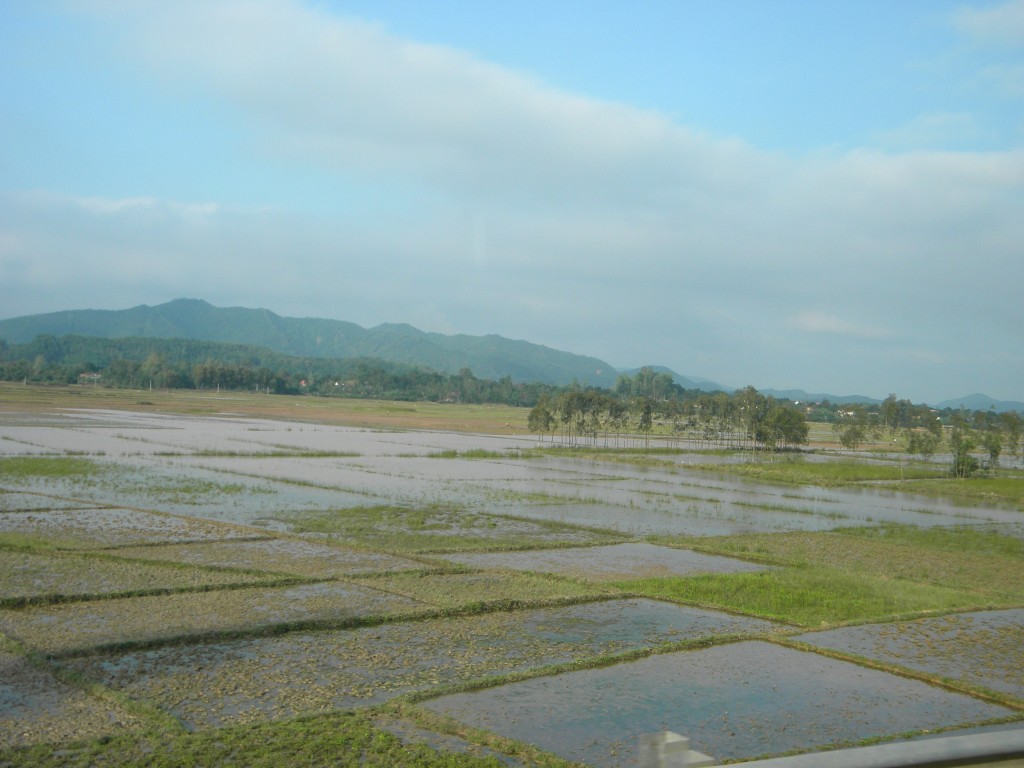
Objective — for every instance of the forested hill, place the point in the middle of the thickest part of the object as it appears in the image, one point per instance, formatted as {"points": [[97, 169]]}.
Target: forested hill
{"points": [[488, 357]]}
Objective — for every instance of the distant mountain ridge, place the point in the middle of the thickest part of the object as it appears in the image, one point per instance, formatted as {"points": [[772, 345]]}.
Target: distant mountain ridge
{"points": [[979, 402], [686, 382], [975, 402], [488, 357], [817, 397]]}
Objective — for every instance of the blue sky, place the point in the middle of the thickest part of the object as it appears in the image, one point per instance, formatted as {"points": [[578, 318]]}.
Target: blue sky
{"points": [[789, 194]]}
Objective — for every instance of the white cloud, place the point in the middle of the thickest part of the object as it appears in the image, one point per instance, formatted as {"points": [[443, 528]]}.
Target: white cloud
{"points": [[936, 130], [538, 214], [999, 32], [331, 90], [1007, 79], [1001, 24], [814, 321]]}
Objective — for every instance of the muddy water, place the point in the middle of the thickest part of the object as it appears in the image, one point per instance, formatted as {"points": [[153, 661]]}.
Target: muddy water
{"points": [[80, 626], [619, 561], [35, 708], [395, 468], [98, 528], [734, 702], [627, 499], [37, 575], [210, 685], [120, 434], [13, 501], [979, 649]]}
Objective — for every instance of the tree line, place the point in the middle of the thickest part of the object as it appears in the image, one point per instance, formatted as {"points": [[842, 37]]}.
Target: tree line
{"points": [[921, 431], [142, 363], [746, 419]]}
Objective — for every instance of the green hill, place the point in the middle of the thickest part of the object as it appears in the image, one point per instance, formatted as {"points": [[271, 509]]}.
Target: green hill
{"points": [[488, 357]]}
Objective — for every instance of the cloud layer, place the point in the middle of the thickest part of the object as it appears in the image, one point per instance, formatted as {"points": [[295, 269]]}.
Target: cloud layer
{"points": [[469, 198]]}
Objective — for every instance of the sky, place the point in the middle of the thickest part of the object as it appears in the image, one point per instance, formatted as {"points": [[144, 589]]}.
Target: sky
{"points": [[796, 194]]}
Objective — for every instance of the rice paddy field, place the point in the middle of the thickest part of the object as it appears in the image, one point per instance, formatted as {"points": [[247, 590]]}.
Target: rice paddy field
{"points": [[190, 579]]}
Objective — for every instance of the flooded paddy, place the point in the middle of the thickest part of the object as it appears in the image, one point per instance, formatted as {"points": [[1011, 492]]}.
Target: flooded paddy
{"points": [[432, 560], [35, 708], [734, 702], [615, 562], [435, 527], [36, 576], [15, 501], [104, 527], [213, 684], [80, 626], [244, 470], [981, 649]]}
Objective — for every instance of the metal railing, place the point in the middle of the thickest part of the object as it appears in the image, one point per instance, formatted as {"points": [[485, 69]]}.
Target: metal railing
{"points": [[1000, 749]]}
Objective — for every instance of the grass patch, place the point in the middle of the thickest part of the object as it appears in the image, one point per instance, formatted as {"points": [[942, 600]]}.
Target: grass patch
{"points": [[26, 541], [999, 489], [984, 565], [49, 467], [964, 540], [475, 453], [172, 489], [335, 739], [797, 471], [435, 528], [855, 574], [808, 597]]}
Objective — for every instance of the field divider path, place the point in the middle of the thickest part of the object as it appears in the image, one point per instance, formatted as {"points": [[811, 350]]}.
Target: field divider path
{"points": [[155, 544]]}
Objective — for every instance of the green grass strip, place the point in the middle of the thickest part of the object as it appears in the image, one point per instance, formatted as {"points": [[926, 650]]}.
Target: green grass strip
{"points": [[810, 596], [24, 467]]}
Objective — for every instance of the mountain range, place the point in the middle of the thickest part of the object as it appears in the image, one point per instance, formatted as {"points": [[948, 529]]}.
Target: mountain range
{"points": [[488, 357]]}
